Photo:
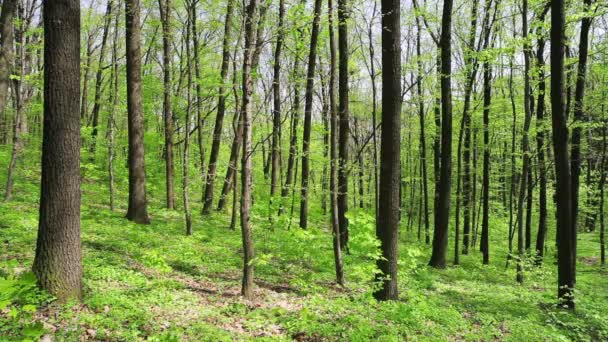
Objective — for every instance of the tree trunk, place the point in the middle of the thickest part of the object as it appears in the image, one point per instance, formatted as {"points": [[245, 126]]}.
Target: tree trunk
{"points": [[566, 251], [98, 76], [276, 111], [137, 211], [343, 111], [186, 151], [442, 214], [246, 177], [387, 220], [6, 63], [579, 116], [57, 263], [165, 8], [113, 100], [333, 183], [308, 98]]}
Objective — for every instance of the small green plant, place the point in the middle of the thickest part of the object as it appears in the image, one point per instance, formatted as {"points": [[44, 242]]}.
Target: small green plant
{"points": [[19, 301]]}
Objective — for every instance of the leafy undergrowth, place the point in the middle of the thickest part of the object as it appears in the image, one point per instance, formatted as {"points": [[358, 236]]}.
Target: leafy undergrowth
{"points": [[154, 283]]}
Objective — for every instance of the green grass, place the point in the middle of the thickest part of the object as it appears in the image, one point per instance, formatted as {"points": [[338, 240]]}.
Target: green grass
{"points": [[154, 283]]}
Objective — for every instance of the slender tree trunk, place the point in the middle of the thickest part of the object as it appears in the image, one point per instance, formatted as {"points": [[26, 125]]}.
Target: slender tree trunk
{"points": [[276, 112], [113, 100], [99, 76], [343, 111], [186, 151], [165, 8], [540, 150], [579, 116], [246, 177], [84, 101], [333, 184], [137, 211], [308, 98], [442, 214], [525, 145], [425, 190], [566, 251], [487, 102], [57, 263], [602, 182], [199, 96]]}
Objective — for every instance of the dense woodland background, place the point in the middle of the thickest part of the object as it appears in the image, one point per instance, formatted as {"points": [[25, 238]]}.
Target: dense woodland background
{"points": [[308, 170]]}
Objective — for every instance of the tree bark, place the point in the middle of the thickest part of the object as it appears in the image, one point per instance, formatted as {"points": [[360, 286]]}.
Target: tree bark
{"points": [[221, 111], [57, 263], [387, 220], [442, 214], [308, 98], [343, 111], [98, 76], [566, 251], [246, 177], [137, 211], [165, 13], [6, 63]]}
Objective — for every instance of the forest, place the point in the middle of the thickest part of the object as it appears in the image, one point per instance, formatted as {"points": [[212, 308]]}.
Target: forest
{"points": [[323, 170]]}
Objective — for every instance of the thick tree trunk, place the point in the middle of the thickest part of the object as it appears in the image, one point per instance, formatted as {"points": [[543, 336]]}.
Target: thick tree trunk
{"points": [[387, 220], [57, 263], [6, 63], [308, 98], [442, 214], [566, 250], [137, 211]]}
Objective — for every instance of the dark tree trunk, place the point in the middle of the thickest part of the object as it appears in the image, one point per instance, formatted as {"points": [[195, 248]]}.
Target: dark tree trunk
{"points": [[540, 150], [387, 220], [165, 8], [343, 111], [487, 102], [200, 122], [246, 176], [579, 115], [602, 182], [442, 214], [308, 98], [525, 145], [113, 100], [333, 183], [275, 171], [566, 250], [186, 151], [6, 63], [425, 190], [137, 211], [57, 264]]}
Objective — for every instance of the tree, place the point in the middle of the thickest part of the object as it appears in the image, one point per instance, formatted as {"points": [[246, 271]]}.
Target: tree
{"points": [[221, 111], [343, 112], [57, 263], [566, 242], [165, 15], [308, 97], [137, 211], [442, 214], [6, 62], [246, 118], [387, 220], [333, 182]]}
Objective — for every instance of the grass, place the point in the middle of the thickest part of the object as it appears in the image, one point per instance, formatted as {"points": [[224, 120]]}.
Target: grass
{"points": [[154, 283]]}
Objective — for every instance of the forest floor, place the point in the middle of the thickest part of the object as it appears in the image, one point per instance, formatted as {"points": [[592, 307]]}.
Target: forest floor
{"points": [[154, 283]]}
